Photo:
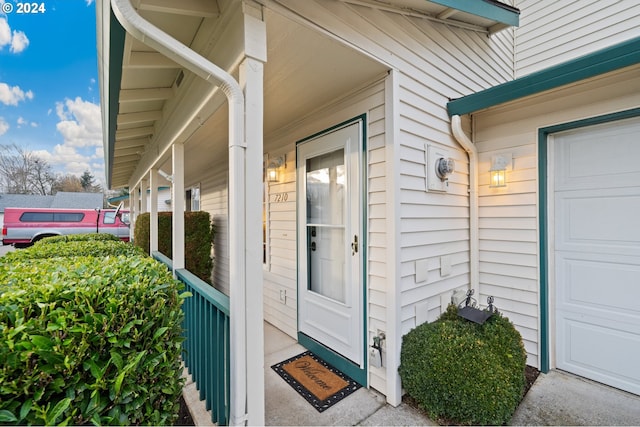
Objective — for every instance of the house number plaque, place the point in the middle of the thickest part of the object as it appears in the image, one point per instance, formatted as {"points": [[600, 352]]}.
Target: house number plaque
{"points": [[280, 197]]}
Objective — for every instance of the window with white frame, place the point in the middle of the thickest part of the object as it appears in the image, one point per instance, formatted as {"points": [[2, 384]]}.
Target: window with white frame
{"points": [[192, 202]]}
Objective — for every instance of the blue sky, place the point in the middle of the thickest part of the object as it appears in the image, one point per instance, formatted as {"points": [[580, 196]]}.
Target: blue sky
{"points": [[49, 93]]}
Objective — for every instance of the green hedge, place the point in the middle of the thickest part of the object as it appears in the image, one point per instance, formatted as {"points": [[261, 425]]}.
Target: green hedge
{"points": [[89, 339], [78, 238], [465, 373], [43, 249], [198, 234]]}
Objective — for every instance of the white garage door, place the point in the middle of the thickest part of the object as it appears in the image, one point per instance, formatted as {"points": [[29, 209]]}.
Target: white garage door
{"points": [[597, 252]]}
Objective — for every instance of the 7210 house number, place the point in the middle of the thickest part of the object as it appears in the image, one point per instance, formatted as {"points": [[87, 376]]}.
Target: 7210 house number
{"points": [[280, 197]]}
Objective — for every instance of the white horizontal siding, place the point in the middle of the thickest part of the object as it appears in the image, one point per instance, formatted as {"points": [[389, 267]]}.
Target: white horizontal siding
{"points": [[281, 268], [434, 63], [552, 31], [214, 199], [509, 234]]}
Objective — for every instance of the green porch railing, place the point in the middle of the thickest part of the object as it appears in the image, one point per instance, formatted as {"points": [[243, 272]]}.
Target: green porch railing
{"points": [[206, 346]]}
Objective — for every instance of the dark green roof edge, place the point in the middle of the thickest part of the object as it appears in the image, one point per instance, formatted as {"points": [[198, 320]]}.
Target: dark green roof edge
{"points": [[600, 62], [126, 196], [489, 9], [116, 51]]}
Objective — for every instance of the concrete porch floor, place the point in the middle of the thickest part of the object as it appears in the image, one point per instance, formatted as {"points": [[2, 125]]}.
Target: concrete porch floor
{"points": [[285, 407], [556, 398]]}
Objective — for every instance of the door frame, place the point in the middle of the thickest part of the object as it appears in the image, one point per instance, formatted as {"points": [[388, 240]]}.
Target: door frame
{"points": [[546, 233], [357, 373]]}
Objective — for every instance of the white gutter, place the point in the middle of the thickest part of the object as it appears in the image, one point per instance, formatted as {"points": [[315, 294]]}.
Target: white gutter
{"points": [[157, 39], [474, 240]]}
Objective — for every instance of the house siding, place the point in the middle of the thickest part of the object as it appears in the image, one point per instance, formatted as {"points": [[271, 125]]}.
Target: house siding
{"points": [[434, 63], [552, 32], [509, 234], [214, 198], [280, 274]]}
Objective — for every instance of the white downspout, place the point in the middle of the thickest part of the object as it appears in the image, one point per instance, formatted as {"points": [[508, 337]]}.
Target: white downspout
{"points": [[153, 37], [474, 240]]}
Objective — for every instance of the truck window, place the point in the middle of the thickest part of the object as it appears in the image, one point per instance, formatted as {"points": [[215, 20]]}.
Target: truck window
{"points": [[51, 217], [110, 217], [68, 217]]}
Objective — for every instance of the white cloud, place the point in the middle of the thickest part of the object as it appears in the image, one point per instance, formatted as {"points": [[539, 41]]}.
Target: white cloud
{"points": [[5, 33], [80, 123], [24, 122], [4, 126], [19, 42], [81, 128], [12, 95]]}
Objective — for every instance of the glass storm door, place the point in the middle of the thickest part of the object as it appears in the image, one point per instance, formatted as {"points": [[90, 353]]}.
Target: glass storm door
{"points": [[329, 241]]}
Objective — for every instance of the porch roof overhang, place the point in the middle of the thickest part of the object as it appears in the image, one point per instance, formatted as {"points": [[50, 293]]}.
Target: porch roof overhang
{"points": [[137, 83], [603, 61], [485, 16]]}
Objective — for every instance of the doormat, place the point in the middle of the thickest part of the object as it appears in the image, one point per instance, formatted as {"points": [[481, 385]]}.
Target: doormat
{"points": [[319, 383]]}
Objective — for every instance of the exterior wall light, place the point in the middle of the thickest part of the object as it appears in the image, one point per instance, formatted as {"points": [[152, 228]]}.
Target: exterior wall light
{"points": [[273, 170], [498, 171]]}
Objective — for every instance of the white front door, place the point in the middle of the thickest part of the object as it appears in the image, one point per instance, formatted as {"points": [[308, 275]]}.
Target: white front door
{"points": [[330, 290], [597, 252]]}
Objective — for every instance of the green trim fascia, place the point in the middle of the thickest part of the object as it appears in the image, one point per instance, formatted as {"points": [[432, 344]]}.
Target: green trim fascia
{"points": [[544, 262], [594, 64], [116, 51], [126, 196], [357, 373], [334, 359], [493, 10], [543, 135]]}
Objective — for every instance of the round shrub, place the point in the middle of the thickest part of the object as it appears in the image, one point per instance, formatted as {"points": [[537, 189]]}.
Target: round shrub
{"points": [[462, 372]]}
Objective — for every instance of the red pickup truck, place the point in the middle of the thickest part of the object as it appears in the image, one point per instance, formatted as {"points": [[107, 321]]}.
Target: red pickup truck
{"points": [[25, 226]]}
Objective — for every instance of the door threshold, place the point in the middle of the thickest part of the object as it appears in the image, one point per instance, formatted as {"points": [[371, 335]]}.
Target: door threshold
{"points": [[346, 366]]}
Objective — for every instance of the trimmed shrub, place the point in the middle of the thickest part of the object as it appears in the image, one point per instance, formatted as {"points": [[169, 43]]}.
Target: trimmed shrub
{"points": [[78, 238], [462, 372], [99, 248], [89, 339], [198, 234]]}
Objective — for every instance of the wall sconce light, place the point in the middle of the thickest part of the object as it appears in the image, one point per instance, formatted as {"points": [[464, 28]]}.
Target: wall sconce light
{"points": [[273, 169], [498, 171]]}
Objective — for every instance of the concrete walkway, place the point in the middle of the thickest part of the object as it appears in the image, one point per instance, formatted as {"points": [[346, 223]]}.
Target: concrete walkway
{"points": [[555, 398]]}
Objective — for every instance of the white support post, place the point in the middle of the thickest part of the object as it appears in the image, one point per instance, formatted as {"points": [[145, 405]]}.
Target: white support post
{"points": [[178, 207], [143, 195], [153, 211], [392, 168], [133, 196], [251, 79]]}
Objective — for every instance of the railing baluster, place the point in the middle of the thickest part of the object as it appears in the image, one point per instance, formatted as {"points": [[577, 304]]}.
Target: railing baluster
{"points": [[206, 346]]}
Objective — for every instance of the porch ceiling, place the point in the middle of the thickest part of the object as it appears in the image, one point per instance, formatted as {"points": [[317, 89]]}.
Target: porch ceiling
{"points": [[304, 71]]}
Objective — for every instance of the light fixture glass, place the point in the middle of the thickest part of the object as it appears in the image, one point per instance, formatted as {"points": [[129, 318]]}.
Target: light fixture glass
{"points": [[273, 170], [498, 171], [498, 178]]}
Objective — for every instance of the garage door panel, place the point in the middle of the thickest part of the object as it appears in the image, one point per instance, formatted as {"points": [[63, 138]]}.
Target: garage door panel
{"points": [[601, 351], [615, 165], [599, 220], [596, 245], [599, 283]]}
